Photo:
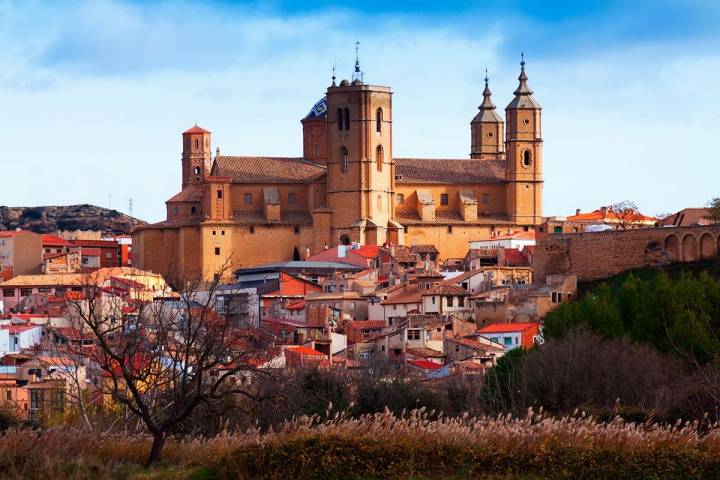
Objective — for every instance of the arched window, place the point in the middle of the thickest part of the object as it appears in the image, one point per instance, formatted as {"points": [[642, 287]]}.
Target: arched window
{"points": [[379, 157], [347, 118], [378, 119], [197, 143], [344, 240], [345, 161], [197, 170], [339, 118], [379, 202], [527, 158]]}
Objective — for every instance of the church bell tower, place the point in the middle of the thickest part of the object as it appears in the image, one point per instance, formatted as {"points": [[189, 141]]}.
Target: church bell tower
{"points": [[487, 130], [524, 155], [196, 156]]}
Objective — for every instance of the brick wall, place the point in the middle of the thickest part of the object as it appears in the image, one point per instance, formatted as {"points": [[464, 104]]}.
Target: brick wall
{"points": [[597, 255]]}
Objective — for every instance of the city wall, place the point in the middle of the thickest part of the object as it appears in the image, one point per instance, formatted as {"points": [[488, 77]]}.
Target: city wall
{"points": [[598, 255]]}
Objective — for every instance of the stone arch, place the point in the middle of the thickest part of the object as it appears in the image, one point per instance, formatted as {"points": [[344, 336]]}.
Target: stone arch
{"points": [[708, 247], [672, 247], [689, 248], [344, 240]]}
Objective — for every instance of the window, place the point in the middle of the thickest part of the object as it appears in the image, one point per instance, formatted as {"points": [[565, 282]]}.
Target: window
{"points": [[219, 194], [378, 120], [507, 341], [197, 170], [526, 158], [400, 198], [222, 232], [176, 211], [25, 292], [379, 202], [457, 348], [485, 198], [346, 114], [297, 230], [292, 198], [443, 199], [433, 300], [344, 240], [450, 301], [379, 158], [252, 229], [214, 232], [197, 143], [339, 119], [248, 199], [9, 395], [217, 250], [108, 255], [449, 228], [345, 161], [192, 210], [461, 301], [8, 292], [413, 334]]}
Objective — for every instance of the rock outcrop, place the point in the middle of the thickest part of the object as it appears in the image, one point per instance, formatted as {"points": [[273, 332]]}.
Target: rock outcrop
{"points": [[72, 217]]}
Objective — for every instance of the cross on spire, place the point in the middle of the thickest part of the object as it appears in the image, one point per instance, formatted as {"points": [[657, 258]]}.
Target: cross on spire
{"points": [[357, 74]]}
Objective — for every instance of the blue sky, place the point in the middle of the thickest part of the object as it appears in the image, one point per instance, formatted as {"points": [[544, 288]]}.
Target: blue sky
{"points": [[95, 94]]}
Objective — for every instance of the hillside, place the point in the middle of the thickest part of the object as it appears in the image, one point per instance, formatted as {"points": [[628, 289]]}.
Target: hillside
{"points": [[72, 217]]}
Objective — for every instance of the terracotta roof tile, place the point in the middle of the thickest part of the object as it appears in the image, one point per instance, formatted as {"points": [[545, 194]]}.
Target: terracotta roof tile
{"points": [[425, 364], [286, 218], [450, 218], [190, 194], [195, 129], [446, 289], [267, 169], [508, 327], [431, 170]]}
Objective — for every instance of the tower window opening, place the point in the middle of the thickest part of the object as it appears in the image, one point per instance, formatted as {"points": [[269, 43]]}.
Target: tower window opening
{"points": [[345, 160], [449, 228], [378, 120], [379, 157], [196, 170], [197, 143], [526, 158], [339, 119], [346, 114], [217, 250], [219, 194], [192, 210]]}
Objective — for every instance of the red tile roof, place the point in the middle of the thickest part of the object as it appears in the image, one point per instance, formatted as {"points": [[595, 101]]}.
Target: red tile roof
{"points": [[608, 215], [13, 329], [305, 351], [367, 251], [365, 324], [435, 170], [515, 258], [55, 241], [508, 327], [267, 169], [195, 129], [425, 364]]}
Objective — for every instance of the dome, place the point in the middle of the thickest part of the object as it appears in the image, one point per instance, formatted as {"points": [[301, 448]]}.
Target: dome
{"points": [[319, 110], [345, 83]]}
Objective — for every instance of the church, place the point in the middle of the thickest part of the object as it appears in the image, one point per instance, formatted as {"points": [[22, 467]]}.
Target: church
{"points": [[347, 187]]}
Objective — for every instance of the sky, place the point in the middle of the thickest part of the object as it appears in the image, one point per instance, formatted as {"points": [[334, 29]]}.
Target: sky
{"points": [[94, 95]]}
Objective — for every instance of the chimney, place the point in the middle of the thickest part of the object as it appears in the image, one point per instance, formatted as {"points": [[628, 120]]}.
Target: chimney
{"points": [[603, 210], [577, 211]]}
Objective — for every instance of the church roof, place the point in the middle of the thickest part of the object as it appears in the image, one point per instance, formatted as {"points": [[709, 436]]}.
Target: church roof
{"points": [[189, 194], [319, 110], [195, 129], [450, 218], [432, 170], [267, 169], [487, 113]]}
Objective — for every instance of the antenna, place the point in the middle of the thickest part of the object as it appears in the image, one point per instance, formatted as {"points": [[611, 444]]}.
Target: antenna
{"points": [[130, 210]]}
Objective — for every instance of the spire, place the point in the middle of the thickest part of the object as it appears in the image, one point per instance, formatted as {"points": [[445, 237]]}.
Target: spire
{"points": [[487, 103], [523, 94], [523, 88], [333, 75], [357, 75]]}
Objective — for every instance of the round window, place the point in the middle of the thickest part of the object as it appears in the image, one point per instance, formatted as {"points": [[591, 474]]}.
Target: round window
{"points": [[526, 121], [489, 134]]}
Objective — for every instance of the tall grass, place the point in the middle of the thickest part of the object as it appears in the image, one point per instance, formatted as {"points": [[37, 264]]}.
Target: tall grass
{"points": [[382, 446]]}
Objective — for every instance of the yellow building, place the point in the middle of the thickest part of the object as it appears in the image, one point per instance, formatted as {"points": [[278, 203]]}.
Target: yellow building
{"points": [[348, 187]]}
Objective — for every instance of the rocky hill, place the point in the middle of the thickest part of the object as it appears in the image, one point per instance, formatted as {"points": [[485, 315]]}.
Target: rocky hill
{"points": [[71, 217]]}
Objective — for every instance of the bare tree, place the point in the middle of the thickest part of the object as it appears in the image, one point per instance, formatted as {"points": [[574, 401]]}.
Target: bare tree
{"points": [[714, 210], [626, 213], [164, 357]]}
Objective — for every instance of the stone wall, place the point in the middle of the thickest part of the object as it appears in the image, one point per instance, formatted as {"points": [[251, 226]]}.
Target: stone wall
{"points": [[597, 255]]}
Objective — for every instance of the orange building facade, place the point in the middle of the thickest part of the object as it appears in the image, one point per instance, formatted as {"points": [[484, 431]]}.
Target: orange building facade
{"points": [[236, 211]]}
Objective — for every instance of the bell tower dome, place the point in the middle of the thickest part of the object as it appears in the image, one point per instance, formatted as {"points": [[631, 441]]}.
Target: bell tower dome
{"points": [[196, 156]]}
